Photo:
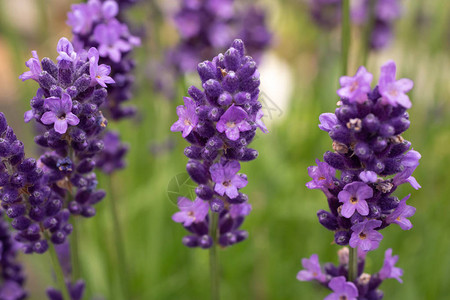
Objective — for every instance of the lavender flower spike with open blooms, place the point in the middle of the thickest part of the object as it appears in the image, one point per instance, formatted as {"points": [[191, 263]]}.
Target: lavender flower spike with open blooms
{"points": [[373, 160], [219, 123]]}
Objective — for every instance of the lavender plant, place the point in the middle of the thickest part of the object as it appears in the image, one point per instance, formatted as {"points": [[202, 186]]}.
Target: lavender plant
{"points": [[96, 24], [219, 123], [370, 161], [377, 16]]}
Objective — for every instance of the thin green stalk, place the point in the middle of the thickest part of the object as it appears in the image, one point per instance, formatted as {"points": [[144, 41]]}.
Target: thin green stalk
{"points": [[118, 239], [353, 264], [58, 272], [345, 36], [74, 250], [213, 258]]}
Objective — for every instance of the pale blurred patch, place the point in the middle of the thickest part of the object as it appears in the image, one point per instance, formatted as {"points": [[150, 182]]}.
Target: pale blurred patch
{"points": [[8, 79], [26, 9]]}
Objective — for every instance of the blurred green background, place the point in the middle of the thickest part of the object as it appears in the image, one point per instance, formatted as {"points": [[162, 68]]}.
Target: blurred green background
{"points": [[299, 80]]}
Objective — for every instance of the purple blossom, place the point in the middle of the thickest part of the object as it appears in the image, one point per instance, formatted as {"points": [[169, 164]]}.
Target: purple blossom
{"points": [[354, 197], [327, 121], [188, 118], [401, 213], [226, 178], [65, 50], [35, 68], [393, 91], [60, 113], [111, 44], [240, 210], [356, 88], [191, 212], [409, 163], [388, 10], [342, 289], [99, 73], [110, 9], [312, 270], [364, 236], [389, 270], [82, 16], [322, 176], [233, 121], [259, 122]]}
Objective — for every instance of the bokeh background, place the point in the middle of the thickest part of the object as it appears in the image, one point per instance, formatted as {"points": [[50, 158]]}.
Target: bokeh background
{"points": [[299, 80]]}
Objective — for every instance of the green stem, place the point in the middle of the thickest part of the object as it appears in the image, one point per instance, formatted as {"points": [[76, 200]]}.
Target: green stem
{"points": [[353, 264], [58, 272], [345, 35], [74, 249], [118, 239], [213, 258]]}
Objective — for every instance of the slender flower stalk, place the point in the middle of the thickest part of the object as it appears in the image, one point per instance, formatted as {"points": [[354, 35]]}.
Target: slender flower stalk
{"points": [[59, 274], [219, 123], [373, 159], [346, 34]]}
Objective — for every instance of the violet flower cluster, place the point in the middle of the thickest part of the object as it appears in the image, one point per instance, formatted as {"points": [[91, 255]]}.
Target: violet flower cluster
{"points": [[67, 108], [380, 15], [335, 277], [96, 24], [12, 278], [372, 158], [219, 123], [36, 211]]}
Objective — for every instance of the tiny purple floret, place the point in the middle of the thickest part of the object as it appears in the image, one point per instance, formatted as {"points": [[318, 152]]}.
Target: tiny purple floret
{"points": [[354, 197], [65, 50], [327, 121], [322, 176], [99, 73], [35, 68], [233, 121], [364, 236], [389, 270], [356, 88], [393, 91], [312, 270], [226, 178], [60, 113], [191, 212], [401, 213], [342, 289], [188, 119]]}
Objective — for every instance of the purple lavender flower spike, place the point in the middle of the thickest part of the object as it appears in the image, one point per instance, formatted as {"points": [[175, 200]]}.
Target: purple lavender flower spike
{"points": [[389, 270], [188, 117], [354, 197], [393, 91], [65, 50], [220, 122], [364, 236], [99, 73], [356, 88], [327, 121], [226, 178], [401, 213], [60, 113], [191, 211], [342, 289], [35, 68], [312, 271], [233, 121]]}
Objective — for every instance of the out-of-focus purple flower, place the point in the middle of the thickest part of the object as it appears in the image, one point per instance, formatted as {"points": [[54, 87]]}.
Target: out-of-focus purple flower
{"points": [[232, 122], [11, 290], [110, 42], [327, 121], [65, 50], [356, 88], [240, 210], [226, 178], [388, 10], [191, 211], [112, 157], [389, 270], [110, 9], [342, 289], [35, 68], [322, 176], [188, 118], [409, 163], [354, 197], [364, 236], [401, 213], [393, 91], [99, 73], [60, 113], [312, 271]]}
